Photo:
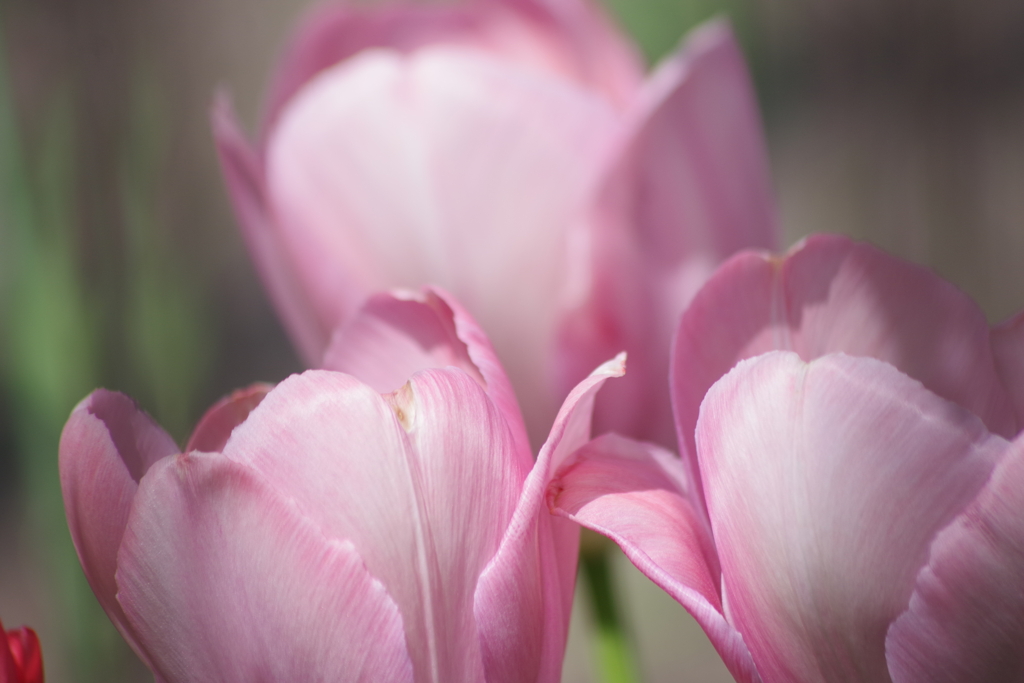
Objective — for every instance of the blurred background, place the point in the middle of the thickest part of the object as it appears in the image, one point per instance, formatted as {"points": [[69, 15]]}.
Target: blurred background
{"points": [[896, 121]]}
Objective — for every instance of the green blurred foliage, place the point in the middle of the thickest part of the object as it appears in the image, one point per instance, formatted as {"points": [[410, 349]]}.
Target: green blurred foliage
{"points": [[614, 649], [48, 351], [60, 318], [658, 25], [169, 332]]}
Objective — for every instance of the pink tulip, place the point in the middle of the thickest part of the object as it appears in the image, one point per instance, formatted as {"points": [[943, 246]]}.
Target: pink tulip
{"points": [[848, 508], [324, 531], [21, 658], [511, 152]]}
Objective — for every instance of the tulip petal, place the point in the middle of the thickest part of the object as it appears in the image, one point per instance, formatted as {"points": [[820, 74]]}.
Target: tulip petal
{"points": [[8, 667], [25, 655], [243, 172], [1008, 349], [444, 166], [225, 580], [638, 495], [730, 319], [395, 335], [422, 481], [825, 484], [526, 590], [107, 446], [965, 623], [697, 157], [599, 56], [831, 294], [331, 33], [572, 38], [217, 423], [690, 186]]}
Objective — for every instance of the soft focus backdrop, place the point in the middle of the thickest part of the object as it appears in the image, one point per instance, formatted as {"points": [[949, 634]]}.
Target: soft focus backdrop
{"points": [[896, 121]]}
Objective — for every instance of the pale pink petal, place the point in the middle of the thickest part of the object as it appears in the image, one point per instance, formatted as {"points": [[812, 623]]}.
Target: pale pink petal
{"points": [[571, 38], [524, 597], [215, 426], [243, 173], [598, 54], [697, 158], [482, 353], [445, 166], [689, 188], [1008, 350], [832, 294], [965, 623], [636, 494], [826, 483], [334, 32], [423, 482], [730, 319], [225, 580], [850, 297], [107, 446], [394, 335]]}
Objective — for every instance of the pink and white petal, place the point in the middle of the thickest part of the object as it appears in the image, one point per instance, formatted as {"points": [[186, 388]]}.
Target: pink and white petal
{"points": [[397, 334], [215, 427], [841, 295], [697, 159], [394, 171], [225, 580], [571, 429], [1008, 350], [523, 603], [597, 53], [637, 495], [107, 446], [831, 294], [826, 483], [690, 187], [482, 353], [334, 32], [423, 482], [965, 622], [471, 472], [533, 573], [243, 173], [573, 40], [730, 319]]}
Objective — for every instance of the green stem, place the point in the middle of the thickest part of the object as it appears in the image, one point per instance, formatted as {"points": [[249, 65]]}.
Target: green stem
{"points": [[614, 652]]}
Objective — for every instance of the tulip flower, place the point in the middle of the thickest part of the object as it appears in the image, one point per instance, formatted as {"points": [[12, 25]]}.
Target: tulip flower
{"points": [[21, 658], [512, 152], [322, 530], [847, 508], [831, 294]]}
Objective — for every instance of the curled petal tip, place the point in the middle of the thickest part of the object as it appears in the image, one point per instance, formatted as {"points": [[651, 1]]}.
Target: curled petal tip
{"points": [[616, 367]]}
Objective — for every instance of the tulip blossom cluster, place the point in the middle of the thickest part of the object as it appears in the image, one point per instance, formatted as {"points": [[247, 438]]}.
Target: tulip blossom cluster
{"points": [[512, 152], [847, 502], [21, 659]]}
